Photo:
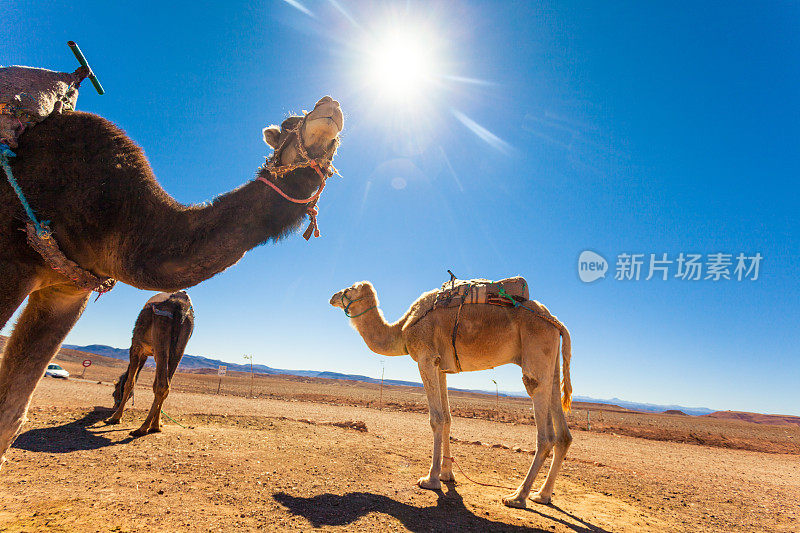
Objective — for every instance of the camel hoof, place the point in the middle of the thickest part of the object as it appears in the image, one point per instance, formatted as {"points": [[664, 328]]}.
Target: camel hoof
{"points": [[154, 430], [430, 484], [447, 477], [538, 497], [514, 500], [139, 433], [112, 421]]}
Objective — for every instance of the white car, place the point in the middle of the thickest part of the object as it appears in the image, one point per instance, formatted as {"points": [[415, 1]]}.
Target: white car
{"points": [[55, 371]]}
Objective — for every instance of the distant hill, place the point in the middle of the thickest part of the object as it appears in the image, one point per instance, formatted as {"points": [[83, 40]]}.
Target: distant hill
{"points": [[194, 362], [757, 418], [647, 407]]}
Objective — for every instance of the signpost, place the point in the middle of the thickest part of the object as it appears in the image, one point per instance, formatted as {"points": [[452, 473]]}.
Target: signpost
{"points": [[221, 371], [86, 364]]}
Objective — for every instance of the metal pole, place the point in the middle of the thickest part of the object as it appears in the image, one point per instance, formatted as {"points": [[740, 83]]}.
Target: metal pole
{"points": [[380, 404], [588, 422], [496, 400], [82, 60], [219, 385]]}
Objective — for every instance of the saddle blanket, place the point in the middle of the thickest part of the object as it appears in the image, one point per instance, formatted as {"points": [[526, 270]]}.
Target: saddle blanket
{"points": [[29, 95], [481, 291]]}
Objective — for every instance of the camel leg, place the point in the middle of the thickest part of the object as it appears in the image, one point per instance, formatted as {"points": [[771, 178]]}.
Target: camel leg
{"points": [[447, 459], [14, 288], [430, 380], [563, 440], [541, 395], [137, 358], [49, 316], [152, 424]]}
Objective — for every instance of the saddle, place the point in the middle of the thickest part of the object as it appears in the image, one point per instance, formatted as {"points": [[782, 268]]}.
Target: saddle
{"points": [[456, 292], [29, 95], [506, 292]]}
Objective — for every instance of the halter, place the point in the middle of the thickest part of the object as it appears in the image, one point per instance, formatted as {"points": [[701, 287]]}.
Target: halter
{"points": [[346, 307], [322, 165]]}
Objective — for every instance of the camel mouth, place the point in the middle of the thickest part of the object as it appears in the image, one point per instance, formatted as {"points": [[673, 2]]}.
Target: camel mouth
{"points": [[335, 120], [336, 300]]}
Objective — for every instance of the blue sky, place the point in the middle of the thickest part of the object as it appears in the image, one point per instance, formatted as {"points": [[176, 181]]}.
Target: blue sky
{"points": [[546, 129]]}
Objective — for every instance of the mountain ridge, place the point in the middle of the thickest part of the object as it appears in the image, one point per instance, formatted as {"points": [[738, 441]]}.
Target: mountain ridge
{"points": [[195, 361]]}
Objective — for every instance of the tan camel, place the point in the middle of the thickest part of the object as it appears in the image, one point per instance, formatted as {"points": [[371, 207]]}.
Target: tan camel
{"points": [[162, 330], [110, 216], [488, 336]]}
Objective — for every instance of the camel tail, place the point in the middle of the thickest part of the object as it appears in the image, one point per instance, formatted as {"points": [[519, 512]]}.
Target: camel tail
{"points": [[181, 312], [566, 355], [178, 316]]}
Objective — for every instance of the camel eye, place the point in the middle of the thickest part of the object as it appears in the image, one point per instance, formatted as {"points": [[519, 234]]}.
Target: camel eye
{"points": [[290, 123]]}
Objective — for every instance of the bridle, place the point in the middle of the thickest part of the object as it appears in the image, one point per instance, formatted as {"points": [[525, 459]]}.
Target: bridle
{"points": [[346, 307], [322, 165]]}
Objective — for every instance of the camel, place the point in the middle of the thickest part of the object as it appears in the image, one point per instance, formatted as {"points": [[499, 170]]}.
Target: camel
{"points": [[110, 216], [488, 336], [162, 330]]}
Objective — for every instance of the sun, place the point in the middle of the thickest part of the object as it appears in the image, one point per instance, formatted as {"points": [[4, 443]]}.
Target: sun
{"points": [[401, 65]]}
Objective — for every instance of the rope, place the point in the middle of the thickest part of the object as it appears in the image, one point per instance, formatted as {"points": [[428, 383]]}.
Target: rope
{"points": [[346, 308], [165, 414], [550, 319], [42, 229], [280, 170], [453, 459]]}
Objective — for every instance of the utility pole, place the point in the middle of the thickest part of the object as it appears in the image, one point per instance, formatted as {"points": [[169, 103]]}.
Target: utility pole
{"points": [[496, 400], [252, 376], [383, 369]]}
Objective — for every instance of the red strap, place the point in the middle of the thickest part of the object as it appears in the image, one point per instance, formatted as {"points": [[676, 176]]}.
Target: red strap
{"points": [[313, 227]]}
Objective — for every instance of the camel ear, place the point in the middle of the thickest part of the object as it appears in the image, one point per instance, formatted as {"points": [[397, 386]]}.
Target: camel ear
{"points": [[271, 136]]}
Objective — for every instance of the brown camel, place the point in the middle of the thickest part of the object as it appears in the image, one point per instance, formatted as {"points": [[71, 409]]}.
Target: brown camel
{"points": [[162, 330], [488, 336], [110, 216]]}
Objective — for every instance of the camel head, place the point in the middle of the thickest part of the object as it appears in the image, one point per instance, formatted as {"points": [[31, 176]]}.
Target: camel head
{"points": [[357, 291], [319, 131]]}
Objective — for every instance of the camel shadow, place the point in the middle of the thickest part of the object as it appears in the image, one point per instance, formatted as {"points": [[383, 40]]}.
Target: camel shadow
{"points": [[449, 513], [70, 437]]}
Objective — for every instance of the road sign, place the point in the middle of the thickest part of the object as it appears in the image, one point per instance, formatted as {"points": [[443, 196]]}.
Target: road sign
{"points": [[87, 363], [222, 370]]}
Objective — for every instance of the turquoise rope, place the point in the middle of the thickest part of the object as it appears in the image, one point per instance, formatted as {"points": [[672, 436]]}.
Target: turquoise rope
{"points": [[346, 308], [42, 229], [165, 414]]}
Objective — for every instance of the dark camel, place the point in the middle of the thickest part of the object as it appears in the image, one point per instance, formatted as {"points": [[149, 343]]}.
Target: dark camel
{"points": [[162, 330], [110, 216]]}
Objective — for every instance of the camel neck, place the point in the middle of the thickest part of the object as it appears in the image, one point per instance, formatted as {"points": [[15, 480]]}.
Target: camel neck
{"points": [[380, 336], [187, 245]]}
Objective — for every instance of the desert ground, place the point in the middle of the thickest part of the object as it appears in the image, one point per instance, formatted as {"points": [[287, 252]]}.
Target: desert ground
{"points": [[302, 454]]}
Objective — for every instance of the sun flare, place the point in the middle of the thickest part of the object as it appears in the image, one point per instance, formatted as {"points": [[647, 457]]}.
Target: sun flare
{"points": [[401, 65]]}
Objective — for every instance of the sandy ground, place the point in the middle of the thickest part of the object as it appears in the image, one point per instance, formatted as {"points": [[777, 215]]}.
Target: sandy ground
{"points": [[272, 464]]}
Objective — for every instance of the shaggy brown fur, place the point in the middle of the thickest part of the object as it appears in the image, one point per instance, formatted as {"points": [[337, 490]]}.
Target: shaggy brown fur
{"points": [[165, 339], [111, 217]]}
